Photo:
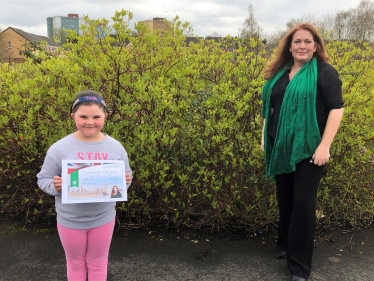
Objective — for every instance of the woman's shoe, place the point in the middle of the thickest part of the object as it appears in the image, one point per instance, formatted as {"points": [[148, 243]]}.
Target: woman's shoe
{"points": [[297, 278], [280, 255]]}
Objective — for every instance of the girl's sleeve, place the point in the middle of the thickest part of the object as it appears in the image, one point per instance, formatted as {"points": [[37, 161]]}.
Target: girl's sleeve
{"points": [[45, 177]]}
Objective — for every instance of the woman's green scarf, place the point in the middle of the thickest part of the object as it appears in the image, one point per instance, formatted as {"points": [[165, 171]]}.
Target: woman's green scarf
{"points": [[297, 134]]}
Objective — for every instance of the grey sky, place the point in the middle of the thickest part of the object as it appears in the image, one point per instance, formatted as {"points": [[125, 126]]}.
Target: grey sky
{"points": [[205, 17]]}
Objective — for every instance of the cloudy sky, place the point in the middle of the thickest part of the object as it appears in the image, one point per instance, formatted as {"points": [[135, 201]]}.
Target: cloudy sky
{"points": [[224, 17]]}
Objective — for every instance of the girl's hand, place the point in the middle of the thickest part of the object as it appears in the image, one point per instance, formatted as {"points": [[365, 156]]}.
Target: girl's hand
{"points": [[57, 182], [128, 178]]}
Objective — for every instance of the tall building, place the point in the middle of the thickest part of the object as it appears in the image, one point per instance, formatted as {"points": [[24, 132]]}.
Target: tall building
{"points": [[56, 24], [157, 24]]}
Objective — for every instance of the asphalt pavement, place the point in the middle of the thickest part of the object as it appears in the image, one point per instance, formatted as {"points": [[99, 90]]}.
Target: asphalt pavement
{"points": [[159, 255]]}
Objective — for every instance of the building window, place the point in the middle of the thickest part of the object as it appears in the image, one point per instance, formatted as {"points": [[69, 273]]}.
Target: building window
{"points": [[9, 45]]}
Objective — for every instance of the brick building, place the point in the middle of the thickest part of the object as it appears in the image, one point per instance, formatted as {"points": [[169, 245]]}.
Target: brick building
{"points": [[13, 40], [157, 24]]}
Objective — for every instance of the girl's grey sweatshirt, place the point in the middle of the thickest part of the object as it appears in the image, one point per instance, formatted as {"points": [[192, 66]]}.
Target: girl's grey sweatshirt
{"points": [[80, 215]]}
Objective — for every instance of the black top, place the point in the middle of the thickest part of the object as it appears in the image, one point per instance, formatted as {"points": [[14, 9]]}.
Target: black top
{"points": [[329, 96]]}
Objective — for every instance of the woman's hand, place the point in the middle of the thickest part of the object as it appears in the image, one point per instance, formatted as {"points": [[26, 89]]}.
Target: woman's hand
{"points": [[263, 136], [57, 182], [128, 178], [321, 156]]}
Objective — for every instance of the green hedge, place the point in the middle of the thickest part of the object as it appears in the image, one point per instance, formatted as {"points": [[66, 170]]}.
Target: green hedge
{"points": [[189, 117]]}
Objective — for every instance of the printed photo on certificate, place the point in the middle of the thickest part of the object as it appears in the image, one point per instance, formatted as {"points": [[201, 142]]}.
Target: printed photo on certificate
{"points": [[88, 181]]}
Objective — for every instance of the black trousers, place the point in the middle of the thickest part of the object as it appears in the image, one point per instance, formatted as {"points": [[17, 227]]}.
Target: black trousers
{"points": [[296, 194]]}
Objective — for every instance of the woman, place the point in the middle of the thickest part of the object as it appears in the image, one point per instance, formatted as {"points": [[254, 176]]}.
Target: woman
{"points": [[115, 192], [302, 109]]}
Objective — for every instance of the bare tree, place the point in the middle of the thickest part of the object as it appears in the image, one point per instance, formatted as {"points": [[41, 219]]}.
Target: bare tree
{"points": [[353, 24], [363, 20], [356, 24], [327, 24], [250, 28], [60, 34], [304, 18], [341, 26], [273, 39]]}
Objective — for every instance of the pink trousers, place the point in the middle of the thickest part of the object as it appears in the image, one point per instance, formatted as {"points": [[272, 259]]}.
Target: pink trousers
{"points": [[86, 249]]}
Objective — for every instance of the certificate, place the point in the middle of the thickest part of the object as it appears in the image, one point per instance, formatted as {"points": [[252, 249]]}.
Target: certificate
{"points": [[88, 181]]}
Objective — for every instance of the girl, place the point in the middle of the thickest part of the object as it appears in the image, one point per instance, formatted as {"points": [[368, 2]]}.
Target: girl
{"points": [[85, 229]]}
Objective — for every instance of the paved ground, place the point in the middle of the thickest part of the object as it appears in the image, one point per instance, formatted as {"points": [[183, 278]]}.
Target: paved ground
{"points": [[189, 256]]}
